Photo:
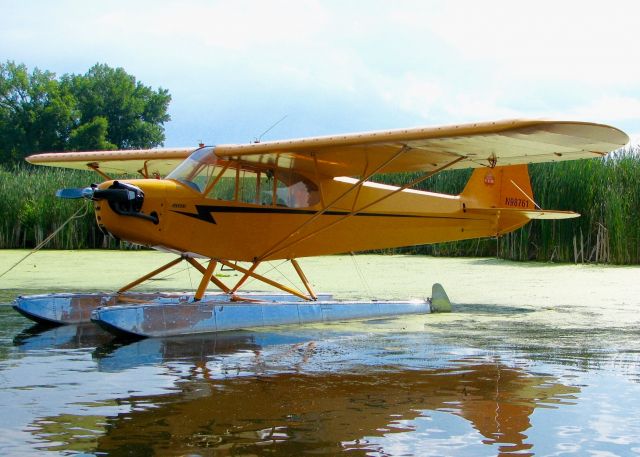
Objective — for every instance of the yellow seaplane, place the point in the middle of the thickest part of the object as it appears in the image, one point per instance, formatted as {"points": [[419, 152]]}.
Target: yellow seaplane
{"points": [[221, 205]]}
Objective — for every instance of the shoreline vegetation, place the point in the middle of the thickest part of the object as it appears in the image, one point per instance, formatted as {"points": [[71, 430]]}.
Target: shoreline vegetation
{"points": [[605, 191]]}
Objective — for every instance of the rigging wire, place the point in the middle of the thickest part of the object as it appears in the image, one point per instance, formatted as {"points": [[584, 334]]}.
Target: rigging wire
{"points": [[75, 215], [361, 275], [275, 267], [175, 272], [189, 274], [287, 278]]}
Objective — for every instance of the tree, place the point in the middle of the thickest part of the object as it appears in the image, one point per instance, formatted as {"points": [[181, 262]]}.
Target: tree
{"points": [[135, 113], [35, 114], [91, 136], [106, 108]]}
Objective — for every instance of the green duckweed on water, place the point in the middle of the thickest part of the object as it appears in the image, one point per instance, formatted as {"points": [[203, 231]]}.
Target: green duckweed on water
{"points": [[535, 357], [551, 290]]}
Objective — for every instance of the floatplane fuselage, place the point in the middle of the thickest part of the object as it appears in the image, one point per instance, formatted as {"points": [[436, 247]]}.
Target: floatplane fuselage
{"points": [[238, 212]]}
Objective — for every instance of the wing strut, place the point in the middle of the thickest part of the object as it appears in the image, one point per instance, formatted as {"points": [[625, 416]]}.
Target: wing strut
{"points": [[362, 180], [277, 248], [96, 167]]}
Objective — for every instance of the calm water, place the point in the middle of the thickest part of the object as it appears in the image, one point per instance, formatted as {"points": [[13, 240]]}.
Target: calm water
{"points": [[481, 381]]}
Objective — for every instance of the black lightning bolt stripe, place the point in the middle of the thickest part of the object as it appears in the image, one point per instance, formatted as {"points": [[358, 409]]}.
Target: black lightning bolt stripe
{"points": [[204, 212]]}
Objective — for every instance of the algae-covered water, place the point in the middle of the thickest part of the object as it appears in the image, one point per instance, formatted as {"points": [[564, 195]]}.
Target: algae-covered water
{"points": [[535, 359]]}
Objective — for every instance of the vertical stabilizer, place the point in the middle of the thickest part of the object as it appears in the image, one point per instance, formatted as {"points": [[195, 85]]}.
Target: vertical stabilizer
{"points": [[499, 187], [504, 193]]}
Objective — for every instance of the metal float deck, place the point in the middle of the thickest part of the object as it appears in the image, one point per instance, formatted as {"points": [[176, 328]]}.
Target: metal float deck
{"points": [[160, 320], [76, 308]]}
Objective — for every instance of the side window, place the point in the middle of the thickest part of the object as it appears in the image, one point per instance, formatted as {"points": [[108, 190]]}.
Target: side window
{"points": [[295, 191], [282, 193], [264, 187], [248, 186], [265, 190], [225, 185], [302, 194]]}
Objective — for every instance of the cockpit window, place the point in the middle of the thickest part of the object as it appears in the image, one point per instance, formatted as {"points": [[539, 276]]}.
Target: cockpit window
{"points": [[230, 180], [196, 171]]}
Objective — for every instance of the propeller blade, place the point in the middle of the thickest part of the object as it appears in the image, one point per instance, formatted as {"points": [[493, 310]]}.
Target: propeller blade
{"points": [[74, 193]]}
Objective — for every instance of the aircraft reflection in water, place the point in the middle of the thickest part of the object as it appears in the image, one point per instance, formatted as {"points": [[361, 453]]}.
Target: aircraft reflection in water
{"points": [[324, 412], [197, 350], [42, 336]]}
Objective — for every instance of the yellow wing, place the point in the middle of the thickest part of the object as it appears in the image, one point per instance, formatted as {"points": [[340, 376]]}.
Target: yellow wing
{"points": [[146, 162], [508, 142], [476, 145]]}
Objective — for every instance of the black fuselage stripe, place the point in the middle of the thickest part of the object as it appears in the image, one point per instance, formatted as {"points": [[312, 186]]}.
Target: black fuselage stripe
{"points": [[248, 210]]}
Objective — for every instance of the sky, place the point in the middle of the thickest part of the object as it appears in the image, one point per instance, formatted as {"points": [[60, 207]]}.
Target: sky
{"points": [[234, 68]]}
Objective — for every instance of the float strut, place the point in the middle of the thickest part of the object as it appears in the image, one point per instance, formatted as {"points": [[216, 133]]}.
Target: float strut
{"points": [[247, 273], [206, 277], [255, 275], [304, 279], [214, 280], [142, 279]]}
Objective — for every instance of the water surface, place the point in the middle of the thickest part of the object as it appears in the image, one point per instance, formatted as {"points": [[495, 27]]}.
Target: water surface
{"points": [[514, 376]]}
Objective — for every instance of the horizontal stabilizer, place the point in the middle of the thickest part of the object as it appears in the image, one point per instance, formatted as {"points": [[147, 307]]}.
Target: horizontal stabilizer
{"points": [[530, 214]]}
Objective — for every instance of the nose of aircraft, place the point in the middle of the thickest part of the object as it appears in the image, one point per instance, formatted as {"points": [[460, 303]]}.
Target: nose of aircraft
{"points": [[125, 199]]}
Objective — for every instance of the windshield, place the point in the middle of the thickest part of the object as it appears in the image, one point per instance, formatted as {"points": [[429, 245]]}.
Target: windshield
{"points": [[197, 169]]}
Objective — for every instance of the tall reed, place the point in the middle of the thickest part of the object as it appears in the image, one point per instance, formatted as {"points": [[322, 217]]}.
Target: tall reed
{"points": [[29, 211], [606, 192]]}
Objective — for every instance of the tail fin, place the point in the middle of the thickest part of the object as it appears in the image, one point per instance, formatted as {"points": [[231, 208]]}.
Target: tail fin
{"points": [[500, 187], [505, 192]]}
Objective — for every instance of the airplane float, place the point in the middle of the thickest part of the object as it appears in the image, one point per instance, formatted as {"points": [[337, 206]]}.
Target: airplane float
{"points": [[258, 202]]}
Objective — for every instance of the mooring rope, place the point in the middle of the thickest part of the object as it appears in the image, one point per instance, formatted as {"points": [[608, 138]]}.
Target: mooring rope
{"points": [[75, 215]]}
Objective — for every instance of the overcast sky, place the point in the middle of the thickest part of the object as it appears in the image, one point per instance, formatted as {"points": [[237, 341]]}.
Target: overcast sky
{"points": [[234, 68]]}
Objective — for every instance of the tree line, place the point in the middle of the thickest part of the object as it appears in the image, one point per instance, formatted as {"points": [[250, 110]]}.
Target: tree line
{"points": [[104, 109]]}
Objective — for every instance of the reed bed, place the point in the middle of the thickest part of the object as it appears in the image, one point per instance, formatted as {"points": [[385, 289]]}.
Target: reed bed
{"points": [[605, 191], [29, 211]]}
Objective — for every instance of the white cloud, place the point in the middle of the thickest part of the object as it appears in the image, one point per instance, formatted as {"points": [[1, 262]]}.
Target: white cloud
{"points": [[415, 61], [614, 108], [590, 42], [414, 94]]}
